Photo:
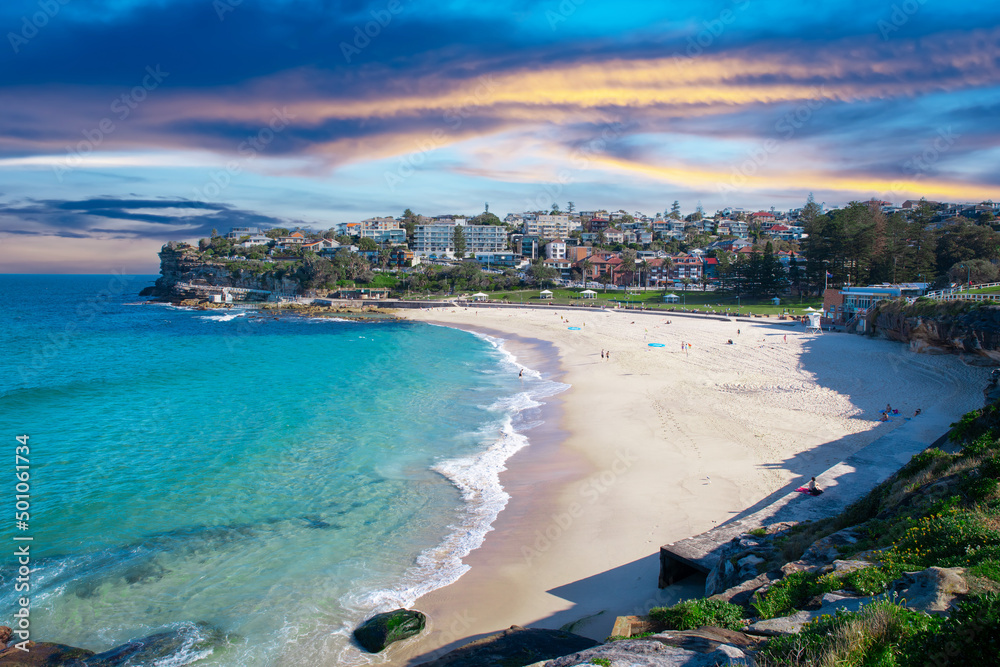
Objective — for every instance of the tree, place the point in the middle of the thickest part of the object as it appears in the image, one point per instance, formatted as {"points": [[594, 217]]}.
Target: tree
{"points": [[628, 264], [215, 232], [974, 271], [367, 244], [458, 242], [644, 268], [675, 210], [540, 273], [555, 209], [570, 208], [487, 219], [587, 267], [810, 211], [276, 232]]}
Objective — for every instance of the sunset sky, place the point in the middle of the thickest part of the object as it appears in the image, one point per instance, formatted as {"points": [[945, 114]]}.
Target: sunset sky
{"points": [[128, 123]]}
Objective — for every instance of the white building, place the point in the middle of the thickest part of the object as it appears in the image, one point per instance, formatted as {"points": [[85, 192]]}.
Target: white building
{"points": [[549, 226], [484, 238], [376, 227], [555, 250]]}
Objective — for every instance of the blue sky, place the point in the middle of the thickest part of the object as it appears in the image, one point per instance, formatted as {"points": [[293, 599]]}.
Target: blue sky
{"points": [[194, 114]]}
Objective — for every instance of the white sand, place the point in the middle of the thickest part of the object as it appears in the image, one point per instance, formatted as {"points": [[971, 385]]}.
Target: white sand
{"points": [[657, 445]]}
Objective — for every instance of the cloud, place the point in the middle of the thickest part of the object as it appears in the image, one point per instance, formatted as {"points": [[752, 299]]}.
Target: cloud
{"points": [[118, 218]]}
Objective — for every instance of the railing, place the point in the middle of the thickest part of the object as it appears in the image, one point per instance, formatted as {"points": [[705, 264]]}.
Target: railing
{"points": [[941, 294]]}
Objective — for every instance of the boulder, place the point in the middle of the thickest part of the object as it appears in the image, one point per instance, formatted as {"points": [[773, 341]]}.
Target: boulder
{"points": [[392, 626], [830, 603], [828, 549], [649, 652], [5, 635], [739, 560], [189, 638], [932, 590], [742, 594], [842, 567], [515, 647], [44, 654]]}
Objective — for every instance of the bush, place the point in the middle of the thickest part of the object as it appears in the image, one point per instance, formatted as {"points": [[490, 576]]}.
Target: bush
{"points": [[923, 461], [989, 568], [883, 633], [693, 614], [969, 637], [950, 539], [790, 593], [978, 488]]}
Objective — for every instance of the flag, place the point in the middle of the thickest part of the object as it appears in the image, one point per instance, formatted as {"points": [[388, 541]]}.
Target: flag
{"points": [[829, 275]]}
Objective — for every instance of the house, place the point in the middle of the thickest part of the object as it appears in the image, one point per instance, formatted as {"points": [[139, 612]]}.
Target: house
{"points": [[236, 233]]}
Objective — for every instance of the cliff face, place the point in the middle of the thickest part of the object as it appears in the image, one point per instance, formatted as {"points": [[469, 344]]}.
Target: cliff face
{"points": [[944, 328], [180, 264]]}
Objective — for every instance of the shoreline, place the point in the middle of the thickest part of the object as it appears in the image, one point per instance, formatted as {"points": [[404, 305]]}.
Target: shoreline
{"points": [[594, 498]]}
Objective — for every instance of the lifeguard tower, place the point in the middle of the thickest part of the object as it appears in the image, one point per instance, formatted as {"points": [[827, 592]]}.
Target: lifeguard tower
{"points": [[813, 326]]}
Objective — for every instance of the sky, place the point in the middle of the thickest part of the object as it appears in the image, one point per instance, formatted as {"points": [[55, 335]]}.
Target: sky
{"points": [[128, 123]]}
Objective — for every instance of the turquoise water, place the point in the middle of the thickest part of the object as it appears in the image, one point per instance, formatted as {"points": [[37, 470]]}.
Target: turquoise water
{"points": [[278, 479]]}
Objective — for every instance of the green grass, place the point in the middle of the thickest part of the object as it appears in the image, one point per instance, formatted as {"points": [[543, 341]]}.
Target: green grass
{"points": [[600, 661], [883, 634], [691, 300], [693, 614]]}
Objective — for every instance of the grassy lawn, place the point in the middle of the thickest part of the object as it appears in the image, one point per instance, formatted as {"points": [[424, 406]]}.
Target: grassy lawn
{"points": [[987, 290], [691, 300]]}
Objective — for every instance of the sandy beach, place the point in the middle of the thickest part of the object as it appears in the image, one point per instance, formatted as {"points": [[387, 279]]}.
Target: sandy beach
{"points": [[655, 444]]}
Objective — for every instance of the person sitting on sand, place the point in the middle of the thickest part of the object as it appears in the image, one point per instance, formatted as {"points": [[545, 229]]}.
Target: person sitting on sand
{"points": [[884, 417], [812, 486], [917, 412]]}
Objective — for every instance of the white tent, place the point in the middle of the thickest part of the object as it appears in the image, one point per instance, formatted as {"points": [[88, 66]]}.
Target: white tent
{"points": [[671, 298], [545, 294], [479, 296], [810, 309], [588, 294]]}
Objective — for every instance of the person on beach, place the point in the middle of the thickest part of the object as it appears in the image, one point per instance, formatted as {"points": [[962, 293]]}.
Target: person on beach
{"points": [[602, 354], [884, 417], [812, 485], [521, 374], [917, 413]]}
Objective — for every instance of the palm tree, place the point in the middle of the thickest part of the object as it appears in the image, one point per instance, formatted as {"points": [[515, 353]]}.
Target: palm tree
{"points": [[586, 266], [628, 263], [644, 267]]}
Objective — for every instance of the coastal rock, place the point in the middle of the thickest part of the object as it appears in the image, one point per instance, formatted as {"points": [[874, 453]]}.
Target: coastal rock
{"points": [[830, 603], [392, 626], [515, 647], [823, 551], [650, 652], [739, 560], [44, 654], [936, 328], [842, 567], [742, 593], [190, 638], [932, 590]]}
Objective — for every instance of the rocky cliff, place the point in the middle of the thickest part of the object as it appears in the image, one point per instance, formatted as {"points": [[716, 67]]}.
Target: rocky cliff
{"points": [[181, 265], [954, 327]]}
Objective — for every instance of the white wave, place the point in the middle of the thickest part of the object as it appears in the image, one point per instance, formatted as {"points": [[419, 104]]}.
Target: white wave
{"points": [[477, 477], [227, 317]]}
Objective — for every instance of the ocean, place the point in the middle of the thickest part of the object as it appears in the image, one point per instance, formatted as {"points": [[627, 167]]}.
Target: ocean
{"points": [[277, 479]]}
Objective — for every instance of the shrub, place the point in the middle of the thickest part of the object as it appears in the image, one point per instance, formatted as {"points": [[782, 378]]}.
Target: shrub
{"points": [[785, 595], [758, 532], [923, 461], [693, 614], [989, 568], [882, 633], [970, 636], [871, 580], [600, 661], [978, 488], [950, 539]]}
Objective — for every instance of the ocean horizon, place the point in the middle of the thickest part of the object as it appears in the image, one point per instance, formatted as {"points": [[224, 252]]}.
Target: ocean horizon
{"points": [[279, 479]]}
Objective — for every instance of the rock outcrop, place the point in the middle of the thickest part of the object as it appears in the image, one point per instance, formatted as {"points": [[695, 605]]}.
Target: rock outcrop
{"points": [[954, 327], [180, 263], [515, 647], [671, 649], [392, 626], [191, 638], [933, 590], [44, 654]]}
